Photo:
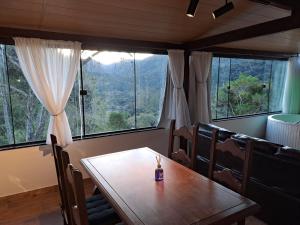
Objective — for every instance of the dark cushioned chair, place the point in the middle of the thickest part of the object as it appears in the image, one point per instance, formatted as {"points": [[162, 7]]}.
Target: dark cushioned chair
{"points": [[94, 210], [274, 181]]}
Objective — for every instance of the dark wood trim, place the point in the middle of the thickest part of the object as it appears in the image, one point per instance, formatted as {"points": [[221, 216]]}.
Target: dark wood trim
{"points": [[249, 53], [270, 27], [89, 42], [186, 73], [283, 4]]}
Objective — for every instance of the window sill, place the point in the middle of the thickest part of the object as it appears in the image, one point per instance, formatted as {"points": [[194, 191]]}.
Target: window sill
{"points": [[78, 138], [245, 116]]}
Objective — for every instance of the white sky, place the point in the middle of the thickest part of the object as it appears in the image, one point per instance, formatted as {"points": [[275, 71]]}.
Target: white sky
{"points": [[106, 57]]}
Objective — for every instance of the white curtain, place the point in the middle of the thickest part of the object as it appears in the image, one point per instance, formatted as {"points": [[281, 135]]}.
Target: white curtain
{"points": [[199, 97], [178, 108], [291, 96], [164, 120], [50, 68]]}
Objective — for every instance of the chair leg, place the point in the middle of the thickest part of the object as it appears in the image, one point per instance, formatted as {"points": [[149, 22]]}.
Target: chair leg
{"points": [[242, 222]]}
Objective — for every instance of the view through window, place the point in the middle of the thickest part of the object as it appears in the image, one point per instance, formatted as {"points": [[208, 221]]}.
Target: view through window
{"points": [[124, 91], [243, 86]]}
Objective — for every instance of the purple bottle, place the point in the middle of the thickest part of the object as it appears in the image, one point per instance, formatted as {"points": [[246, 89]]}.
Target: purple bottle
{"points": [[159, 172]]}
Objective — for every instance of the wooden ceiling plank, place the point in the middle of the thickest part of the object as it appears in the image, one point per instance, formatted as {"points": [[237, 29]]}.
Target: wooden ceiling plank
{"points": [[109, 18], [88, 42], [106, 29], [274, 26]]}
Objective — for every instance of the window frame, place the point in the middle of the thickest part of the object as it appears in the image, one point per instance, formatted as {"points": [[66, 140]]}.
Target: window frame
{"points": [[235, 56], [84, 135]]}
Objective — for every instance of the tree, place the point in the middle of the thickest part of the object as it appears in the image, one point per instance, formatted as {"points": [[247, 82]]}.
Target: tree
{"points": [[118, 121], [245, 95]]}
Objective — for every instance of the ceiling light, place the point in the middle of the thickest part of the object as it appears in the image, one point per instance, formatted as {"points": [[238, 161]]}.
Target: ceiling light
{"points": [[192, 8], [224, 9]]}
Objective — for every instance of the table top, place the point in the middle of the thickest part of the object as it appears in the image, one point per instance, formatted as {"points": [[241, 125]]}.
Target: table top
{"points": [[184, 197]]}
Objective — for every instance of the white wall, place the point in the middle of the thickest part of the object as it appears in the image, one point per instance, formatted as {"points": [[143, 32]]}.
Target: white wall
{"points": [[254, 126], [26, 169]]}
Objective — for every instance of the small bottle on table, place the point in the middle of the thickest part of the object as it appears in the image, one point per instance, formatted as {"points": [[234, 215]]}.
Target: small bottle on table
{"points": [[159, 172]]}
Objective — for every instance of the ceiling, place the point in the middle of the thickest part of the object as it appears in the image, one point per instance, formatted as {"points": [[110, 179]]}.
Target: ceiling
{"points": [[149, 20], [288, 41]]}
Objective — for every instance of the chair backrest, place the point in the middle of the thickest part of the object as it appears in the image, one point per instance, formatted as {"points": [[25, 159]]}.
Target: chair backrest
{"points": [[62, 162], [226, 176], [59, 175], [76, 196], [189, 135]]}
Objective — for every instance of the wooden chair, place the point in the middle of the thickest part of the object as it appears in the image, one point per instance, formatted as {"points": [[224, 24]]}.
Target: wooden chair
{"points": [[226, 176], [91, 211], [62, 192], [190, 136]]}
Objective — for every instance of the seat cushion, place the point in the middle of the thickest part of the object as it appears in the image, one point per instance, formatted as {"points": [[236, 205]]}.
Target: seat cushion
{"points": [[102, 216], [95, 201], [100, 211]]}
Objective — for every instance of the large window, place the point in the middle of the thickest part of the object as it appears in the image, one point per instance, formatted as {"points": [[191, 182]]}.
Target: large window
{"points": [[242, 86], [123, 91]]}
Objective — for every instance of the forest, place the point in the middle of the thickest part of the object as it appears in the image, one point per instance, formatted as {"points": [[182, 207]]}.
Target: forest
{"points": [[125, 94], [246, 86], [125, 91]]}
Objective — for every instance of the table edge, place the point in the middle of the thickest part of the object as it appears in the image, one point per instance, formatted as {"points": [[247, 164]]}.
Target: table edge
{"points": [[122, 209]]}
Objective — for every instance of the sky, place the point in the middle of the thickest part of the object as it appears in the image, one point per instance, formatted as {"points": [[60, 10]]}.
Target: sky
{"points": [[107, 57]]}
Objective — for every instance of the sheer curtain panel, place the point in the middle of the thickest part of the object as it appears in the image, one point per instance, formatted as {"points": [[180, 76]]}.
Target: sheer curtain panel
{"points": [[178, 107], [291, 96], [50, 68], [199, 97]]}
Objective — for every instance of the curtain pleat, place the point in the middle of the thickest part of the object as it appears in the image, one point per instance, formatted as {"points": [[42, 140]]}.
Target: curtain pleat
{"points": [[291, 96], [199, 94], [175, 104]]}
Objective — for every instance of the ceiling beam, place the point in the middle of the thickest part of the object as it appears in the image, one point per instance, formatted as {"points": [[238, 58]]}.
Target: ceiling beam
{"points": [[88, 42], [249, 53], [270, 27], [283, 4], [292, 4]]}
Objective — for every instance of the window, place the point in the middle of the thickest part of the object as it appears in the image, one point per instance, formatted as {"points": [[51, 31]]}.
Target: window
{"points": [[124, 91], [243, 86]]}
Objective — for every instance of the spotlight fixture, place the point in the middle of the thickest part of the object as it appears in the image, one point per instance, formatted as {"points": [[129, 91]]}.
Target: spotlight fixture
{"points": [[191, 11], [224, 9]]}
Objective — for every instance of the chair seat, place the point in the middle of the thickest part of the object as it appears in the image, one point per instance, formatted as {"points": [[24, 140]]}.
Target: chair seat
{"points": [[100, 212]]}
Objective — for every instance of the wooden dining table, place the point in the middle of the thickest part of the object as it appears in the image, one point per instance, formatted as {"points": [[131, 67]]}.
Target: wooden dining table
{"points": [[184, 197]]}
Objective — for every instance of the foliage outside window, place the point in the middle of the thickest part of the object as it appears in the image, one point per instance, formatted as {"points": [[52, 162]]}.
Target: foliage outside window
{"points": [[242, 86], [124, 91]]}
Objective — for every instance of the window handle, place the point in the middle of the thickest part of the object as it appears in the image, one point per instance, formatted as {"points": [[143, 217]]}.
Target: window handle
{"points": [[83, 92]]}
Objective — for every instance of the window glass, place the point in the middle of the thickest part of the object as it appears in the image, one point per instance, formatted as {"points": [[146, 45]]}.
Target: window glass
{"points": [[214, 86], [30, 118], [6, 128], [249, 86], [223, 85], [150, 86], [242, 86], [124, 91], [108, 78], [73, 109]]}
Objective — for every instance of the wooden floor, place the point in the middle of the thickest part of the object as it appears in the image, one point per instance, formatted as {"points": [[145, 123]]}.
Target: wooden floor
{"points": [[35, 208], [43, 209]]}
